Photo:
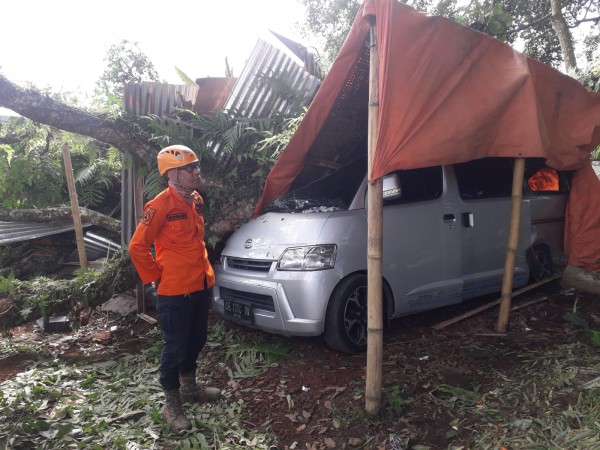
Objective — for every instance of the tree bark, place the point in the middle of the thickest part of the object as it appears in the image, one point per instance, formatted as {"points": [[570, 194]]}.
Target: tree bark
{"points": [[59, 213], [559, 24], [26, 301], [41, 108]]}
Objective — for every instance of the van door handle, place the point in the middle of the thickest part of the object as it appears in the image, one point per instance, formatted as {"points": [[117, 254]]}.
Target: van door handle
{"points": [[467, 220], [449, 218]]}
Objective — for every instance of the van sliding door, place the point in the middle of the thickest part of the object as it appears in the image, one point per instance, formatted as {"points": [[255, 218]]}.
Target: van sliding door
{"points": [[484, 207], [421, 244]]}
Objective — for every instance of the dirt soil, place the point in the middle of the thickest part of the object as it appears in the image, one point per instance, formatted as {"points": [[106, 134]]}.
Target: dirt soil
{"points": [[314, 398]]}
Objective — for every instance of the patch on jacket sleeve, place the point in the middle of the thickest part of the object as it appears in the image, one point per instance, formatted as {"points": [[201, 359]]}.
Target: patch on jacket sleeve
{"points": [[148, 215], [177, 216]]}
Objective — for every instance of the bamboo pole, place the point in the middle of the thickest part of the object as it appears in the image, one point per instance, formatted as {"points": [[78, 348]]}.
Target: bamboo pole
{"points": [[74, 206], [374, 247], [513, 243]]}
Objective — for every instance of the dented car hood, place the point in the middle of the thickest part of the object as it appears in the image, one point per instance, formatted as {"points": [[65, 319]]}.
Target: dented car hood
{"points": [[267, 236]]}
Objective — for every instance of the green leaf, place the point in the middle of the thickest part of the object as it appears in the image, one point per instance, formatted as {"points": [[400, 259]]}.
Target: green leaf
{"points": [[576, 319]]}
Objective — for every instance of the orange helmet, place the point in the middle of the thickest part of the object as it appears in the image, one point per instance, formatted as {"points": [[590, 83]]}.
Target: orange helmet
{"points": [[175, 156]]}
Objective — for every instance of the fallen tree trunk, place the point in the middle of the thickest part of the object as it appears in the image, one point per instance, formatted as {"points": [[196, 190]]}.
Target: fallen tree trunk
{"points": [[24, 301], [59, 213], [41, 108]]}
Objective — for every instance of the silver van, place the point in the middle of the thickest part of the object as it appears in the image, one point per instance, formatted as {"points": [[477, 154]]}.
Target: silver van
{"points": [[300, 268]]}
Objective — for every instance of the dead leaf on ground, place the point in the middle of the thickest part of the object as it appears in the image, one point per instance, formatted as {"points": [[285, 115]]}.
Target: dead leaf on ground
{"points": [[330, 443]]}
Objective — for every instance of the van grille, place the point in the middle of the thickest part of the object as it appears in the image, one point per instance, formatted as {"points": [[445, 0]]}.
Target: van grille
{"points": [[257, 300], [249, 264]]}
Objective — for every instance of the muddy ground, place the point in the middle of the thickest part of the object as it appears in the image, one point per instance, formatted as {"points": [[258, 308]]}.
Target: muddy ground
{"points": [[457, 387]]}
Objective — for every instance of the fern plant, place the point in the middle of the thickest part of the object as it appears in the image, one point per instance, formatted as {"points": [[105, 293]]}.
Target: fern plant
{"points": [[94, 181], [154, 184]]}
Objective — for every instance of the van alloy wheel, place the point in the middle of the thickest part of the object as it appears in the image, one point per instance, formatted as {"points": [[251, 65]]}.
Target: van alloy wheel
{"points": [[346, 319], [355, 316]]}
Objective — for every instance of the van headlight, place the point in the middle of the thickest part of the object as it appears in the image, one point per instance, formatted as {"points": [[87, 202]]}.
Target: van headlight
{"points": [[311, 257]]}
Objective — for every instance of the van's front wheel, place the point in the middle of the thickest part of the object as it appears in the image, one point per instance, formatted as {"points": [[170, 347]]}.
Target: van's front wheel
{"points": [[346, 320]]}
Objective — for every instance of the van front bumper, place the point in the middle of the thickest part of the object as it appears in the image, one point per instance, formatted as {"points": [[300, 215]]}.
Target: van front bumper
{"points": [[293, 305]]}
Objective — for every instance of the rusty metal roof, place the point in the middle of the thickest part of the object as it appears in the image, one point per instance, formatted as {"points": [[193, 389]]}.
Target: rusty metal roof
{"points": [[145, 98], [212, 93]]}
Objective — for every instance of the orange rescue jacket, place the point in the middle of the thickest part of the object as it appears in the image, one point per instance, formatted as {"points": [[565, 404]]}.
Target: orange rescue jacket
{"points": [[177, 231]]}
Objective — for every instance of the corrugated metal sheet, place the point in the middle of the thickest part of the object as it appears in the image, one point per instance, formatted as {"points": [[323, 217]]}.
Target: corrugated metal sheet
{"points": [[145, 98], [596, 166], [250, 98], [24, 231], [96, 246], [99, 247]]}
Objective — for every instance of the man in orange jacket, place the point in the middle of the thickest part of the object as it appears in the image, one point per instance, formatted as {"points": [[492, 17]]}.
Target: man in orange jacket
{"points": [[182, 274]]}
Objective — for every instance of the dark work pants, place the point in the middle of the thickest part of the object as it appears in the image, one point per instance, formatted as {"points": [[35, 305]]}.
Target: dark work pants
{"points": [[183, 321]]}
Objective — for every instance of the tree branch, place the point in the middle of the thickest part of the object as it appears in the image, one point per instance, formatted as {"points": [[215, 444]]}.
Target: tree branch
{"points": [[27, 303], [526, 25], [580, 21], [60, 213]]}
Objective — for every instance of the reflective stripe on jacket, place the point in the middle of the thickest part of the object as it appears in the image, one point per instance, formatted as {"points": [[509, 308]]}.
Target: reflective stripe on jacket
{"points": [[177, 230]]}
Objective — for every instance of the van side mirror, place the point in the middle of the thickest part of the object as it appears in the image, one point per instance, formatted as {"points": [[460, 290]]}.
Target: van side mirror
{"points": [[391, 187]]}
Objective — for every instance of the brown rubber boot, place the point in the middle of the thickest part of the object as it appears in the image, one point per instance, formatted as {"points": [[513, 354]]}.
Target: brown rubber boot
{"points": [[191, 392], [173, 413]]}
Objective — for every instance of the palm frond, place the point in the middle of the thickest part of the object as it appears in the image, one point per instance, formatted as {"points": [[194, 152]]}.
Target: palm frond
{"points": [[183, 77]]}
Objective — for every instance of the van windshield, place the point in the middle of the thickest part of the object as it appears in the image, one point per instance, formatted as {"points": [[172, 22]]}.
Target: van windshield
{"points": [[331, 193]]}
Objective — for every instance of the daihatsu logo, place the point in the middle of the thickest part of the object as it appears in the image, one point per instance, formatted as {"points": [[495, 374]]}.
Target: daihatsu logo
{"points": [[248, 243]]}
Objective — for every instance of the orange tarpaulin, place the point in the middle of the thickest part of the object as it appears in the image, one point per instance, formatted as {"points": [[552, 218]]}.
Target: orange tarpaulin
{"points": [[582, 222], [450, 94]]}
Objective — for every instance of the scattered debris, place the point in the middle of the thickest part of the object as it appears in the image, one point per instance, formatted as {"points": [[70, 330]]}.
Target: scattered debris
{"points": [[446, 323]]}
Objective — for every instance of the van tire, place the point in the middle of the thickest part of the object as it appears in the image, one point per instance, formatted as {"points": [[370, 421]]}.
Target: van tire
{"points": [[346, 319], [539, 259]]}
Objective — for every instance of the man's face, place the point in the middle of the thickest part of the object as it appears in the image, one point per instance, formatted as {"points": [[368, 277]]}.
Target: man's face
{"points": [[188, 176]]}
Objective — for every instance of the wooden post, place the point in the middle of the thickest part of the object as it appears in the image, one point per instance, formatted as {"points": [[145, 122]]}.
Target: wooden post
{"points": [[374, 247], [138, 208], [74, 207], [513, 244]]}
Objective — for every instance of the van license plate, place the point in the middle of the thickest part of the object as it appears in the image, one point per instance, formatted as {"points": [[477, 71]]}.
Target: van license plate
{"points": [[238, 310]]}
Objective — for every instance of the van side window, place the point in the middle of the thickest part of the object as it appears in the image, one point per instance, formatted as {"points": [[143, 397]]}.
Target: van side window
{"points": [[541, 179], [419, 185], [484, 178]]}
